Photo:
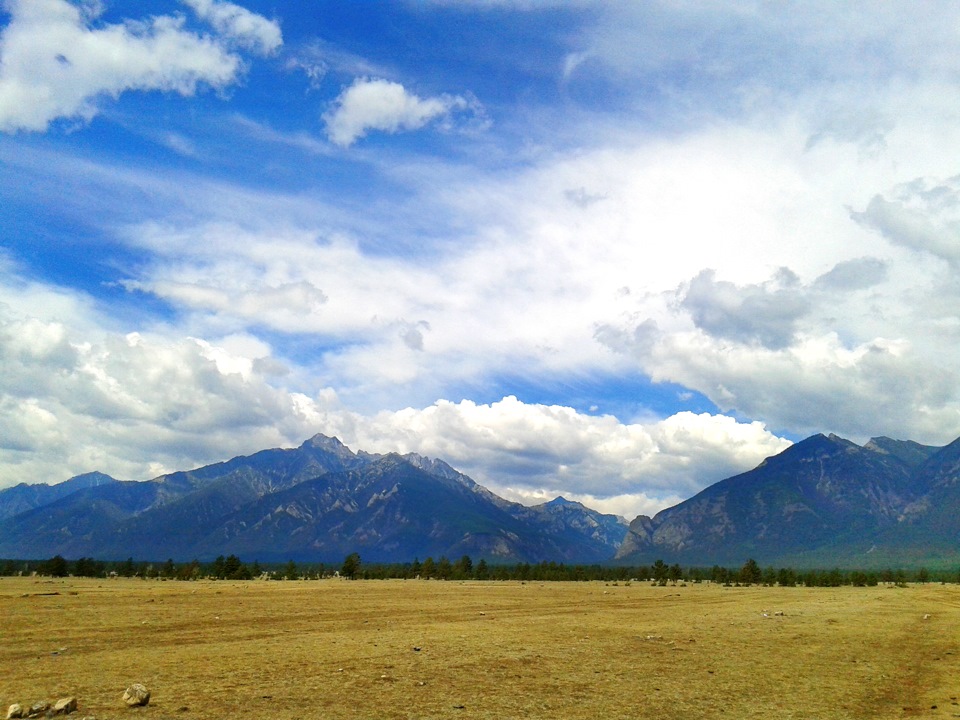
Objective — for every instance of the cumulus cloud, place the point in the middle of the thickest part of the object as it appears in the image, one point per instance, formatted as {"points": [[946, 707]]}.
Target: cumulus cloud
{"points": [[137, 405], [532, 452], [764, 313], [132, 406], [816, 384], [377, 104], [55, 62]]}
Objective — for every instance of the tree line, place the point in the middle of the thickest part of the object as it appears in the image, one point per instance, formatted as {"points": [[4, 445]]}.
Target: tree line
{"points": [[233, 568]]}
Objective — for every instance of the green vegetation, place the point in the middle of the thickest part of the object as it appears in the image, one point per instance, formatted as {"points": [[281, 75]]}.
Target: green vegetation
{"points": [[233, 568]]}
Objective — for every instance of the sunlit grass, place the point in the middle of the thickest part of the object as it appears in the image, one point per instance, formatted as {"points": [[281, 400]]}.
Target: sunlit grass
{"points": [[430, 649]]}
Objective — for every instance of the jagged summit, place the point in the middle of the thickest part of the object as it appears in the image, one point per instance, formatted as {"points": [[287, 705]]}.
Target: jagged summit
{"points": [[316, 502], [327, 444], [823, 500]]}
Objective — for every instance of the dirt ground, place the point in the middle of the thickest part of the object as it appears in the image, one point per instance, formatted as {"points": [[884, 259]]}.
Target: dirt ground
{"points": [[431, 649]]}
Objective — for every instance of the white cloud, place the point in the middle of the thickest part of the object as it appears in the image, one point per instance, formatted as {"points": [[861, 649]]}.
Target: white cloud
{"points": [[129, 406], [923, 215], [376, 104], [247, 29], [819, 383], [542, 272], [55, 63], [140, 404], [630, 250], [722, 56], [532, 452], [318, 58]]}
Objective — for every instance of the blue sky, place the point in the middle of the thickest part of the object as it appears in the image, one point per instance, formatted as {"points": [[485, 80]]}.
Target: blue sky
{"points": [[612, 250]]}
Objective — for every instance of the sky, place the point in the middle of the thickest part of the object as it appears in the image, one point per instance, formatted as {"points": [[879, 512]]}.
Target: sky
{"points": [[616, 251]]}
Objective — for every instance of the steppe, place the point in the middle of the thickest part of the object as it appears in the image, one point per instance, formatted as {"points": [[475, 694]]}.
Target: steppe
{"points": [[432, 649]]}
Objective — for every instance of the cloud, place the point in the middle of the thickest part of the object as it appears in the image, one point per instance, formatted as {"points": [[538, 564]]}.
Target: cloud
{"points": [[857, 274], [376, 104], [521, 270], [412, 334], [737, 57], [56, 63], [247, 29], [922, 215], [517, 279], [816, 384], [136, 405], [766, 313], [533, 452], [865, 348], [179, 144], [133, 406], [319, 58]]}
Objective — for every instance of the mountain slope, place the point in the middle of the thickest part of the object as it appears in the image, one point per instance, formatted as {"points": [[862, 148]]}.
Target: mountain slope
{"points": [[316, 502], [121, 519], [824, 497], [825, 501], [24, 497], [931, 525]]}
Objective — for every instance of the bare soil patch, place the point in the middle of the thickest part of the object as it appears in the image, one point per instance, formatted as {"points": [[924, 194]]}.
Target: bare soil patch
{"points": [[429, 649]]}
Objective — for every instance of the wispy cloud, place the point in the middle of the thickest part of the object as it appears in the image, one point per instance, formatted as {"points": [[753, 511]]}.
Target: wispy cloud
{"points": [[247, 29]]}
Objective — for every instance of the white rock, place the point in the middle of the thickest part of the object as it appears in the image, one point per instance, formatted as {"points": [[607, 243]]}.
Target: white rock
{"points": [[136, 695], [65, 706]]}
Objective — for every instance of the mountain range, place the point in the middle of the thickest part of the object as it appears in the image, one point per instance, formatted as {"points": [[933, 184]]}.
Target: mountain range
{"points": [[824, 501], [317, 502]]}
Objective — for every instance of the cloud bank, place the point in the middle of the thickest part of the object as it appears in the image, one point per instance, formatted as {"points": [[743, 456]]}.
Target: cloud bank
{"points": [[136, 406]]}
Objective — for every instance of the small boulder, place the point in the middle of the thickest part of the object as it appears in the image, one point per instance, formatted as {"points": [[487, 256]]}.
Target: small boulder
{"points": [[65, 706], [136, 695], [38, 709], [15, 711]]}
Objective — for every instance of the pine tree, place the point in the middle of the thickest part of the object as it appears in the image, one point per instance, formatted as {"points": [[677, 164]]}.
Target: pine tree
{"points": [[351, 566], [483, 572], [750, 573]]}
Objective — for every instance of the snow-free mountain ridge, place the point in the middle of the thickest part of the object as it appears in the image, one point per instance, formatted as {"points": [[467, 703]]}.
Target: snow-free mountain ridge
{"points": [[824, 501]]}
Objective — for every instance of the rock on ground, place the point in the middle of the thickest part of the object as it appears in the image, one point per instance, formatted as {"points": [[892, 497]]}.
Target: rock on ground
{"points": [[65, 706], [136, 695], [38, 709]]}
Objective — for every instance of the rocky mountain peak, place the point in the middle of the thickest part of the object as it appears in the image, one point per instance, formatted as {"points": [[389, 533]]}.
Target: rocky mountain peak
{"points": [[328, 444]]}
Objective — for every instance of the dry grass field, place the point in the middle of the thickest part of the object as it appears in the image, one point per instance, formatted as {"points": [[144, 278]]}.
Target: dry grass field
{"points": [[429, 649]]}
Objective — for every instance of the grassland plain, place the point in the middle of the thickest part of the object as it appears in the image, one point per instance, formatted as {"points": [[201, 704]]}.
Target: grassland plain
{"points": [[431, 649]]}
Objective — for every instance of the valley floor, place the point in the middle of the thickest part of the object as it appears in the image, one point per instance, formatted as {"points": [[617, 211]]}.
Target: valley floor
{"points": [[430, 649]]}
